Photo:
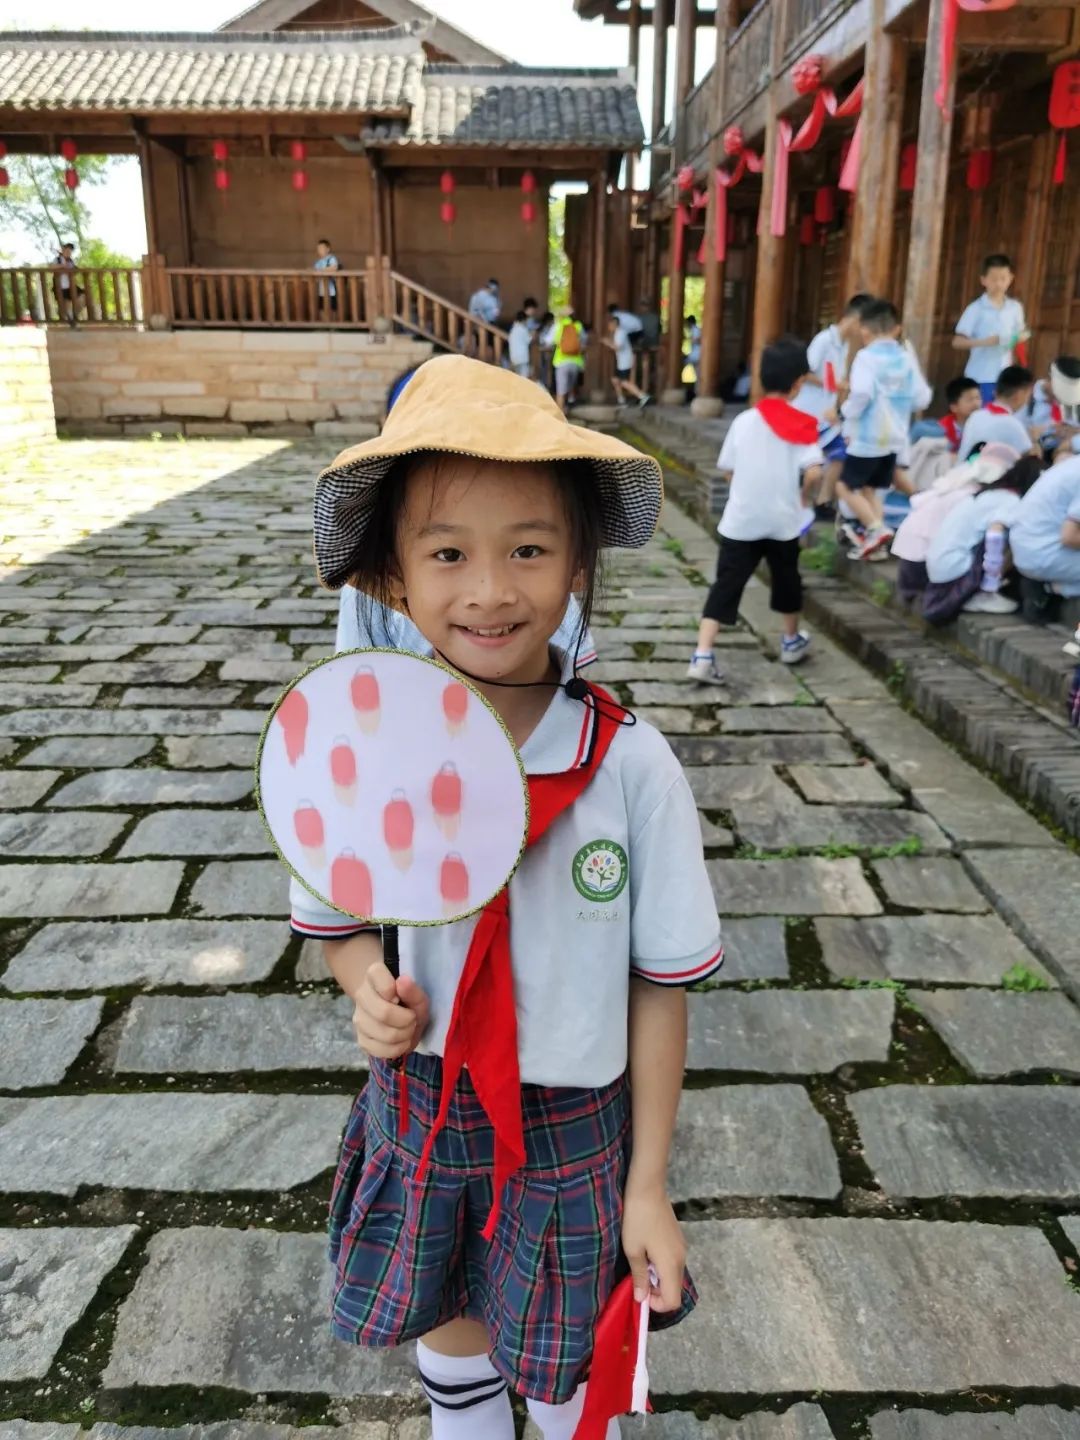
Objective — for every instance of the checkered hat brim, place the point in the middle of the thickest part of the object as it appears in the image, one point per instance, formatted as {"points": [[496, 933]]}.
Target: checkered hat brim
{"points": [[454, 405]]}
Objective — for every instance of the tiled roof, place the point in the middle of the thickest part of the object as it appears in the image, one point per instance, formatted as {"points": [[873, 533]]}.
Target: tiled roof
{"points": [[307, 71], [517, 106]]}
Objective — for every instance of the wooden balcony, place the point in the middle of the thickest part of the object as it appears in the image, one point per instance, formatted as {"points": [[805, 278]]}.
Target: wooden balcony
{"points": [[748, 60], [289, 299], [61, 295]]}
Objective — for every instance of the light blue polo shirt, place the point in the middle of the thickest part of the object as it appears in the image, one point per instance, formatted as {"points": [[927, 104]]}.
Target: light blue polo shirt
{"points": [[979, 321]]}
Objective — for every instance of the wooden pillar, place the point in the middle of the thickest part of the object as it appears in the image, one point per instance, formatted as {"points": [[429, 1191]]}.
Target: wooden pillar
{"points": [[659, 69], [769, 274], [685, 42], [707, 401], [1031, 256], [598, 351], [184, 202], [146, 172], [673, 340], [380, 300], [928, 201], [634, 26], [873, 214]]}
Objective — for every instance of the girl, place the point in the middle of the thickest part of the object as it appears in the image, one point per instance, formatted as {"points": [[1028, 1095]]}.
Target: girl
{"points": [[969, 557], [490, 1216]]}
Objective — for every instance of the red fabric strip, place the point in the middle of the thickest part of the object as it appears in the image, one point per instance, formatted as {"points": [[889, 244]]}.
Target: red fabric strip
{"points": [[794, 426]]}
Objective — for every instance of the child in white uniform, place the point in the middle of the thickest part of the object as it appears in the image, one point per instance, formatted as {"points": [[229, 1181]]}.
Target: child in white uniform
{"points": [[478, 511], [992, 327]]}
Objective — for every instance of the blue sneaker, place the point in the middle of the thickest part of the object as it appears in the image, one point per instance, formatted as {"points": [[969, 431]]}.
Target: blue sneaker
{"points": [[794, 648]]}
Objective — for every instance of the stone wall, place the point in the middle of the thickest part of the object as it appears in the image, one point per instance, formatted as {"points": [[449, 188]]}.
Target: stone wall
{"points": [[26, 399], [217, 382]]}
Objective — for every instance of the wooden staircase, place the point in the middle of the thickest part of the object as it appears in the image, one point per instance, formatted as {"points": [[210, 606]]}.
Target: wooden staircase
{"points": [[445, 324]]}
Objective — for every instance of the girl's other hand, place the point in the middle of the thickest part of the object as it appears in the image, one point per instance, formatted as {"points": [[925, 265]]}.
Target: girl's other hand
{"points": [[390, 1015], [652, 1236]]}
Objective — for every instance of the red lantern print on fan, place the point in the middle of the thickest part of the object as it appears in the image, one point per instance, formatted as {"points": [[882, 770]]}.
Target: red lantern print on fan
{"points": [[366, 701], [455, 704], [292, 716], [343, 771], [453, 885], [398, 828], [311, 832], [350, 886], [446, 800]]}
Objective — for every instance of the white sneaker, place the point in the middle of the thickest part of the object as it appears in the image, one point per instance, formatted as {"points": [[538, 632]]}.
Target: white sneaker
{"points": [[794, 649], [875, 539], [986, 602], [703, 669]]}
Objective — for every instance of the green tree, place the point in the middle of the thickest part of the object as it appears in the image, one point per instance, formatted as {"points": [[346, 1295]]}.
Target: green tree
{"points": [[38, 203], [558, 262]]}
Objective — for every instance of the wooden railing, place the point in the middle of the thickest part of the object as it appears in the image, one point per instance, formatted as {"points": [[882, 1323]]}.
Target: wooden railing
{"points": [[748, 58], [291, 299], [442, 322], [804, 18], [696, 121], [61, 295]]}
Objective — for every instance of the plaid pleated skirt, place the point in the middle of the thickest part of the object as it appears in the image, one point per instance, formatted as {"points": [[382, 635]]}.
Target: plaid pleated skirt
{"points": [[408, 1254]]}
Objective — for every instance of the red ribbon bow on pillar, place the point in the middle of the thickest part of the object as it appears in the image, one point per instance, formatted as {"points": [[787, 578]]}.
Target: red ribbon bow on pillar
{"points": [[725, 180], [809, 133]]}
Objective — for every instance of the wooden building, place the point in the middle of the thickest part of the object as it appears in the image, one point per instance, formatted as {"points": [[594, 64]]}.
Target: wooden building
{"points": [[423, 156], [956, 158]]}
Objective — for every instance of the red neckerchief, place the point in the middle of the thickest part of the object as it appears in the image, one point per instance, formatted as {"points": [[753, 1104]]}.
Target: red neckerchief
{"points": [[996, 409], [483, 1026], [951, 426], [830, 377], [1055, 412], [794, 426]]}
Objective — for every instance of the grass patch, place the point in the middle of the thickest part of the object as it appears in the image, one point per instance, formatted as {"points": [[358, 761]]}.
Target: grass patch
{"points": [[881, 592], [674, 547], [822, 556], [1021, 980]]}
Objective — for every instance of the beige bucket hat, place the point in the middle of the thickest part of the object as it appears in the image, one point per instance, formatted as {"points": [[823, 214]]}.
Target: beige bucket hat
{"points": [[466, 407]]}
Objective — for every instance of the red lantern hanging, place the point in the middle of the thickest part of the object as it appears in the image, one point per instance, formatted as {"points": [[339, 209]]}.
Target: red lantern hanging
{"points": [[1064, 110], [446, 182], [807, 230], [71, 178], [685, 178], [298, 151], [5, 178], [528, 183], [448, 212], [299, 180], [806, 74], [909, 161], [734, 140], [825, 205], [220, 151], [979, 169], [528, 212], [69, 150], [3, 150], [221, 179]]}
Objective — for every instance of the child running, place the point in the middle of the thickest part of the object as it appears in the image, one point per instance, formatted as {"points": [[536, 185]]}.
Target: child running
{"points": [[496, 1241], [772, 454]]}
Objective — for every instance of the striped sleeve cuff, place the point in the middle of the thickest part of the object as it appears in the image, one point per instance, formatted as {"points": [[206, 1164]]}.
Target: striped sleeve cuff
{"points": [[315, 930], [680, 973]]}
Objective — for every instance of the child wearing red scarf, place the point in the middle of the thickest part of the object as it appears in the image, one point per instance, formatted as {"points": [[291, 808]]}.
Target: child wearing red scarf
{"points": [[773, 457]]}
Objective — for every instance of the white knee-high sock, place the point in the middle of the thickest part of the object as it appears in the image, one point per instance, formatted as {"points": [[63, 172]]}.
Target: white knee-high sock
{"points": [[468, 1396], [993, 560], [558, 1422]]}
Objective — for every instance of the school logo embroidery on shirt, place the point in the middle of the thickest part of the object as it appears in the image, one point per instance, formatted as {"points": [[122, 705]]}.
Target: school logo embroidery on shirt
{"points": [[600, 870]]}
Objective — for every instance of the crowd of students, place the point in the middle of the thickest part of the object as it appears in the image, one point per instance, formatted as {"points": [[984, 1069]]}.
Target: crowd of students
{"points": [[988, 493]]}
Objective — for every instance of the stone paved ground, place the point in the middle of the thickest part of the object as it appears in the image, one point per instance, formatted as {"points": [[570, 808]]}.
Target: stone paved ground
{"points": [[879, 1151]]}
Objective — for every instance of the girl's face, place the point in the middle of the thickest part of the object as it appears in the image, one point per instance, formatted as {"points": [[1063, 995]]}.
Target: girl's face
{"points": [[485, 562]]}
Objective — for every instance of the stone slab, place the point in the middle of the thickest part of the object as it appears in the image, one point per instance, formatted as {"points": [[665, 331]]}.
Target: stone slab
{"points": [[22, 696], [88, 752], [867, 1306], [751, 1140], [753, 950], [20, 788], [919, 883], [240, 1430], [242, 887], [1000, 1141], [788, 1032], [720, 787], [47, 1279], [777, 719], [38, 1430], [30, 833], [142, 672], [843, 785], [1026, 1422], [748, 680], [168, 1141], [199, 832], [769, 827], [46, 892], [40, 1039], [44, 723], [799, 1422], [672, 721], [995, 1033], [809, 886], [1071, 1225], [105, 955], [246, 1310], [764, 749], [234, 1033], [968, 806], [219, 695], [927, 949], [155, 787], [1016, 880], [211, 752]]}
